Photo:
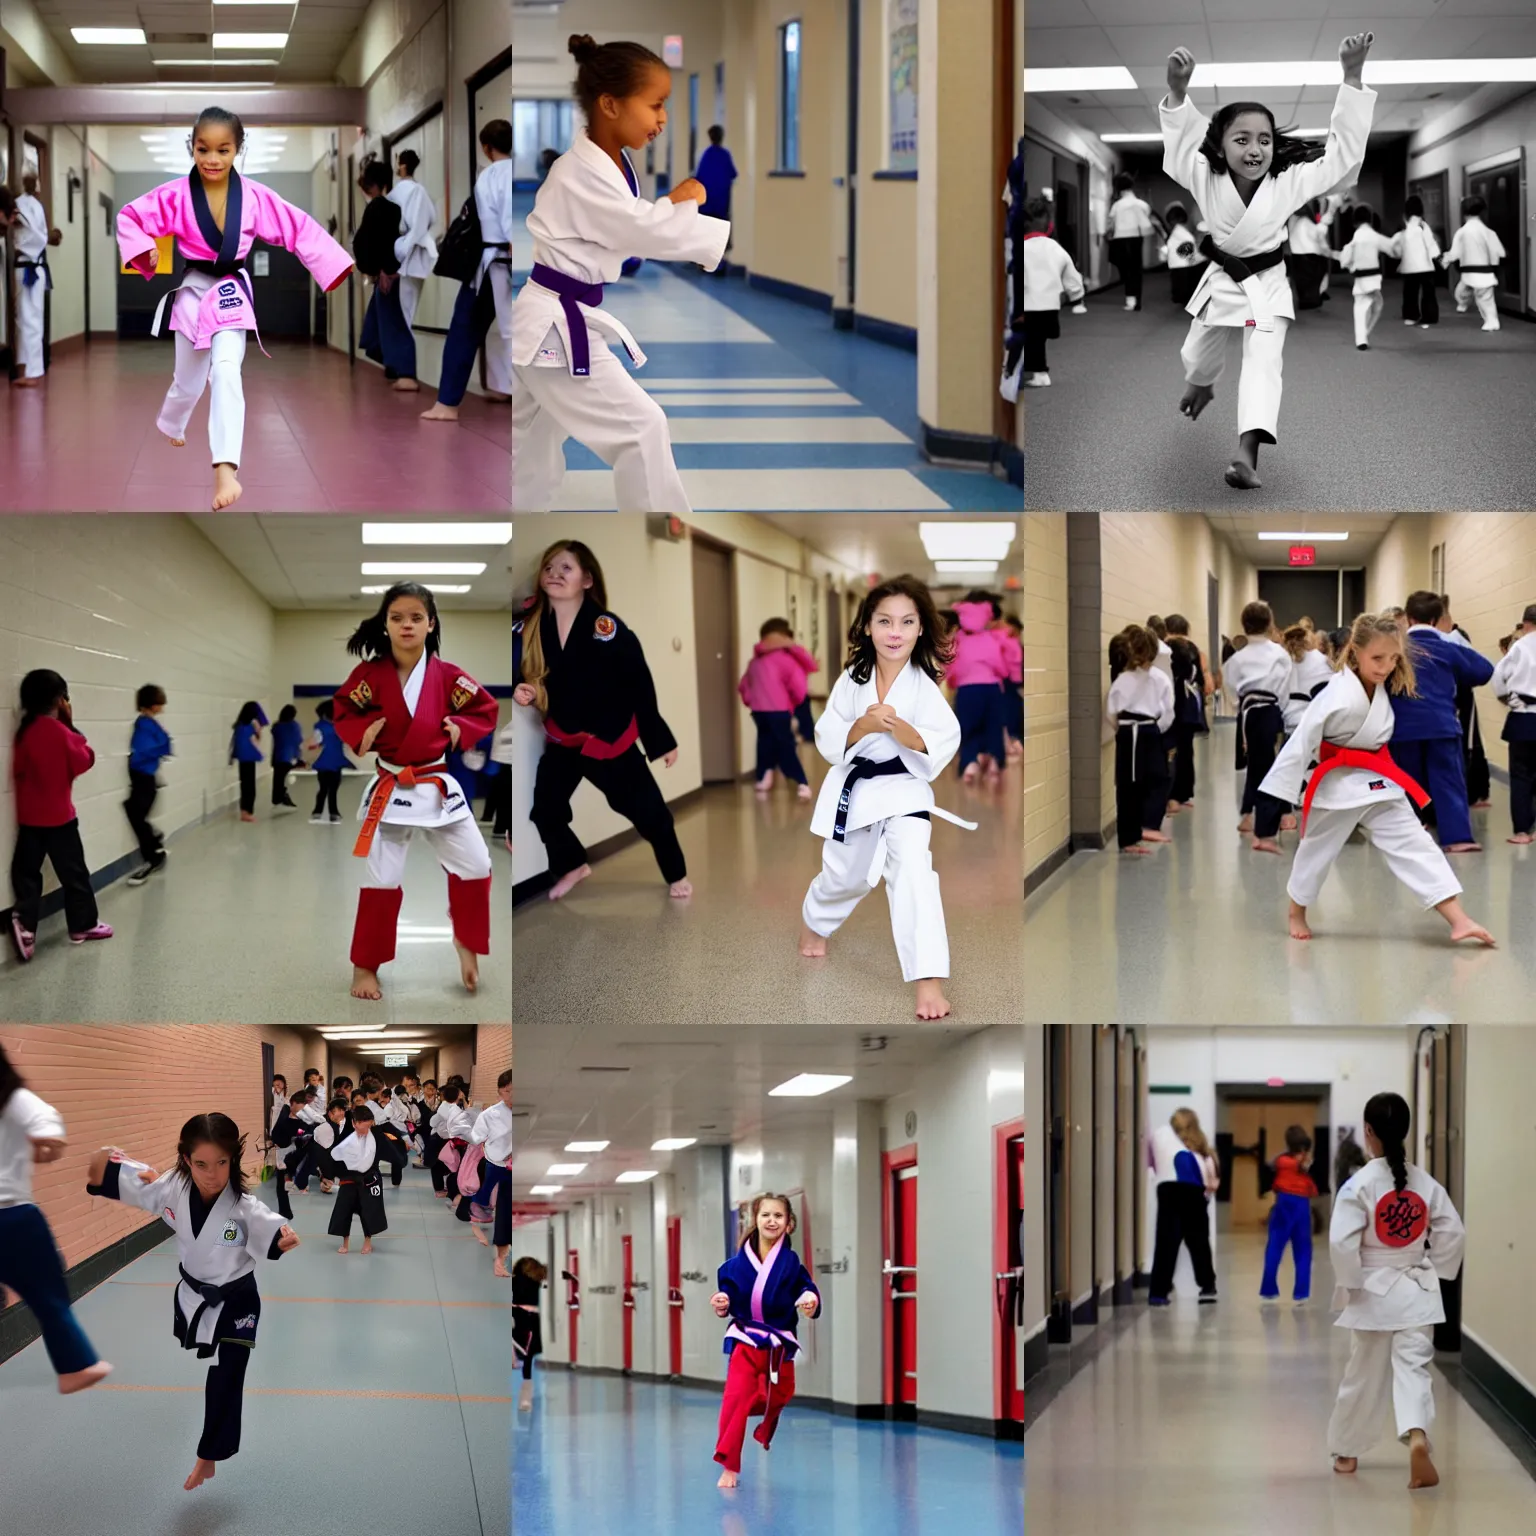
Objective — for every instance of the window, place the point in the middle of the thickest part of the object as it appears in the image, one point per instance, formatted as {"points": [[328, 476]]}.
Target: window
{"points": [[537, 126], [789, 97]]}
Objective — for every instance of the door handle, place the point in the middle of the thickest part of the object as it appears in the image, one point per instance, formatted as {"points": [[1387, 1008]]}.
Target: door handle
{"points": [[898, 1269], [903, 1295]]}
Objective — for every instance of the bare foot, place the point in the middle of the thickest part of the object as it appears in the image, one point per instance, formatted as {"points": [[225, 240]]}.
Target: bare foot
{"points": [[1467, 929], [500, 1270], [1462, 848], [500, 399], [1521, 837], [78, 1381], [1241, 476], [1196, 398], [441, 412], [1264, 845], [971, 774], [345, 1247], [1287, 823], [1155, 837], [1345, 1463], [681, 889], [199, 1474], [1174, 807], [175, 442], [804, 793], [365, 984], [812, 945], [226, 489], [1299, 928], [406, 386], [1482, 805], [480, 1237], [367, 1245], [1137, 850], [25, 383], [525, 1397], [567, 882], [1421, 1470], [1245, 825], [931, 1002], [728, 1479], [246, 816], [469, 967]]}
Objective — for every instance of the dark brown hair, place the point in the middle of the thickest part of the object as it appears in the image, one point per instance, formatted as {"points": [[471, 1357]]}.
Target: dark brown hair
{"points": [[1258, 619], [1288, 150], [609, 69], [774, 627], [530, 1266], [535, 668], [213, 1130], [1296, 1140], [10, 1079], [932, 651], [751, 1228], [1424, 607], [497, 135]]}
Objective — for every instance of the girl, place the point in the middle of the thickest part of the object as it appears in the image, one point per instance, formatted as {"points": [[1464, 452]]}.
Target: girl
{"points": [[1394, 1237], [1128, 224], [587, 218], [386, 338], [403, 696], [49, 755], [493, 1130], [215, 216], [356, 1158], [415, 249], [1344, 732], [1049, 276], [330, 761], [287, 736], [977, 670], [33, 1132], [761, 1291], [1185, 1170], [1362, 257], [1420, 250], [221, 1231], [771, 688], [888, 734], [245, 750], [451, 1125], [1290, 1218], [582, 668], [1138, 709], [1311, 671], [528, 1277], [1247, 179]]}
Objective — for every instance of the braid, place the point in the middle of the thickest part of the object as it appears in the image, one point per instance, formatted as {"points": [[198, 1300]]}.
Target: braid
{"points": [[1398, 1162], [1387, 1115]]}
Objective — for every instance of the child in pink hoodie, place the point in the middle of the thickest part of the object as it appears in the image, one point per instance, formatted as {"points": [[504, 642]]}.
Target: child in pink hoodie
{"points": [[977, 674], [771, 687]]}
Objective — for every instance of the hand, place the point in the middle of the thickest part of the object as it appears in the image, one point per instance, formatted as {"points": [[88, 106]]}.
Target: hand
{"points": [[55, 236], [371, 735], [452, 727], [691, 190], [721, 1304], [807, 1305], [148, 1176], [1181, 65], [882, 715], [670, 758], [287, 1238], [524, 694], [47, 1149]]}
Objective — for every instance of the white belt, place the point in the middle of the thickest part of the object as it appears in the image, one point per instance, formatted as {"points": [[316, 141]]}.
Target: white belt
{"points": [[877, 859]]}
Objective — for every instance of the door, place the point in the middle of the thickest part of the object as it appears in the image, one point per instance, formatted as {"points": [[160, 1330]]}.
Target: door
{"points": [[1431, 191], [832, 660], [1008, 1275], [1058, 1185], [715, 660], [37, 159], [693, 122], [901, 1274], [1213, 621], [1502, 187], [572, 1279], [675, 1295], [1103, 1193], [627, 1292], [1443, 1151]]}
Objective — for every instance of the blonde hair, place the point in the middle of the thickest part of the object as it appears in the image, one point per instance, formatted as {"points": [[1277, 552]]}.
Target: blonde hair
{"points": [[1187, 1124], [1366, 629], [535, 668]]}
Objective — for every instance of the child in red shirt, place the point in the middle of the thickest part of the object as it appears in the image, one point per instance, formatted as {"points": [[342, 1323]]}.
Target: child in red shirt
{"points": [[49, 755], [1290, 1220]]}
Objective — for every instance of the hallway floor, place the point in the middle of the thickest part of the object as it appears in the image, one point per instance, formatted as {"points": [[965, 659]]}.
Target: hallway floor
{"points": [[1203, 1421], [1196, 933]]}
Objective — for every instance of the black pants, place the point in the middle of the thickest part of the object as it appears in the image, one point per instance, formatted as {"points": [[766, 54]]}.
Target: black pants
{"points": [[1040, 326], [527, 1329], [1183, 760], [358, 1195], [222, 1396], [325, 799], [1420, 303], [1306, 273], [500, 801], [280, 772], [280, 1178], [1263, 729], [1522, 785], [62, 848], [1182, 282], [247, 789], [141, 796], [1141, 781], [776, 744], [1181, 1218], [1479, 780], [627, 785], [433, 1146], [1267, 814], [1125, 257]]}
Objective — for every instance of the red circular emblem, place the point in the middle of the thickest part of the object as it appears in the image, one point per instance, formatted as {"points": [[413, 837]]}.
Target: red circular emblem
{"points": [[605, 626], [1401, 1218]]}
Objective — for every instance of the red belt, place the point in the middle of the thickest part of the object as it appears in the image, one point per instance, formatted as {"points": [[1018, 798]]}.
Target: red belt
{"points": [[407, 778], [594, 746], [1380, 761]]}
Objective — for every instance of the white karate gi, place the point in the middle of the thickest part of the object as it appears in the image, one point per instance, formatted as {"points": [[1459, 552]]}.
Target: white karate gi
{"points": [[1141, 691], [1365, 251], [1390, 1253], [1515, 674], [1129, 218], [1351, 797], [1182, 248], [883, 836], [1261, 307], [585, 223], [1261, 667], [1476, 245], [1306, 674], [31, 245], [1419, 248], [493, 1128], [415, 248]]}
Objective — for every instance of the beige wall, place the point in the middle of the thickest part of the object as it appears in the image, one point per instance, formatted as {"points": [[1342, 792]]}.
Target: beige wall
{"points": [[1047, 764], [1400, 563]]}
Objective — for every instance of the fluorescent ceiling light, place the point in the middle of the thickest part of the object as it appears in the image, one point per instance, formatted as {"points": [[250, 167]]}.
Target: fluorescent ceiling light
{"points": [[564, 1170], [430, 586], [1113, 78], [585, 1146], [155, 138], [259, 40], [1376, 72], [423, 567], [636, 1176], [807, 1085], [437, 533], [673, 1143], [966, 567], [107, 34], [256, 2], [1131, 138], [1310, 538], [538, 1189], [208, 63], [966, 541]]}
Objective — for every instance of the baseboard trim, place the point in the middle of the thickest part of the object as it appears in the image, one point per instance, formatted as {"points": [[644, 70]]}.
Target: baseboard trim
{"points": [[812, 298], [1047, 867], [966, 448], [1037, 1354], [887, 332], [1508, 1393]]}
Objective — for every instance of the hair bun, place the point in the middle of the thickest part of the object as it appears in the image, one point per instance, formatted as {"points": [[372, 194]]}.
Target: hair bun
{"points": [[582, 46]]}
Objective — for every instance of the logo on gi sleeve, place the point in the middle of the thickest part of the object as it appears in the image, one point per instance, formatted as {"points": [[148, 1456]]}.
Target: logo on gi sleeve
{"points": [[362, 695], [1401, 1219], [605, 628], [463, 690]]}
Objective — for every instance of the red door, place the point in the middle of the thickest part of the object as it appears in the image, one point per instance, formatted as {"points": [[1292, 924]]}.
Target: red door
{"points": [[573, 1295], [1008, 1273], [904, 1286], [627, 1244], [675, 1294]]}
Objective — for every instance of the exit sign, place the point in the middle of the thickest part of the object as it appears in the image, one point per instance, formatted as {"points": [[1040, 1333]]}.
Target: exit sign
{"points": [[1303, 554]]}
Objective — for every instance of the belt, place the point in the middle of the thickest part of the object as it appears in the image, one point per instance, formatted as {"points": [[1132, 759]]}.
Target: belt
{"points": [[1257, 699], [594, 746], [212, 1295], [1465, 268], [862, 769], [1132, 721], [1379, 761], [26, 264], [213, 269], [1243, 270], [571, 292], [1367, 271], [408, 778]]}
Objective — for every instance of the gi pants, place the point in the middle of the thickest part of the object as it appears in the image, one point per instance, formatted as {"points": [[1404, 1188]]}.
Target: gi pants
{"points": [[1181, 1218], [460, 848], [1183, 789], [330, 782], [527, 1335], [248, 788], [386, 337], [1479, 781], [749, 1393], [280, 772], [1440, 766], [474, 313], [360, 1195], [804, 723], [1013, 709], [1487, 304], [776, 744], [1182, 282], [141, 796], [1306, 273], [409, 289], [1263, 729], [979, 709], [217, 369], [62, 848], [1421, 304], [1368, 308], [30, 1266], [626, 783], [1141, 781], [1522, 785], [1040, 326], [1125, 257], [1290, 1222], [1204, 355], [911, 890], [29, 325], [1384, 1367], [1393, 830]]}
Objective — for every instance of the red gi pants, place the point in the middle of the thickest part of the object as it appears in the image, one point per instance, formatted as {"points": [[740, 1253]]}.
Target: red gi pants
{"points": [[748, 1394]]}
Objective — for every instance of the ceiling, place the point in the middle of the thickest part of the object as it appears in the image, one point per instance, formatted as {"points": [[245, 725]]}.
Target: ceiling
{"points": [[318, 34], [288, 148], [298, 562], [1365, 531], [432, 1037], [1140, 34]]}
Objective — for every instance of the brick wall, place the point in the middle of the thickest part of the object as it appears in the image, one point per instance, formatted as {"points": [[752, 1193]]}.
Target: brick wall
{"points": [[493, 1055]]}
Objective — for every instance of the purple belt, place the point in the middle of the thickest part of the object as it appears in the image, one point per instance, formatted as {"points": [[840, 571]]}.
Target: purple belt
{"points": [[571, 291]]}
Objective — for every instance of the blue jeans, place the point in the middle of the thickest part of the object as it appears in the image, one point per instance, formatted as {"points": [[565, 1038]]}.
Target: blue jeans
{"points": [[473, 316], [776, 744], [1289, 1222], [30, 1266], [979, 709]]}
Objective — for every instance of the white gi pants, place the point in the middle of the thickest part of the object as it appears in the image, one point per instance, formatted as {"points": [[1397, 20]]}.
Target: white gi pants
{"points": [[410, 297], [1411, 853], [1487, 305], [29, 327], [1204, 355], [498, 343], [1383, 1367], [911, 888], [1368, 307], [459, 847], [217, 369]]}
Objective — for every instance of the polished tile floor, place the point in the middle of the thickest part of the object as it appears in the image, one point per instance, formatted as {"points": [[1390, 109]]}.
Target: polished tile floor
{"points": [[1196, 933], [390, 1369], [1204, 1421]]}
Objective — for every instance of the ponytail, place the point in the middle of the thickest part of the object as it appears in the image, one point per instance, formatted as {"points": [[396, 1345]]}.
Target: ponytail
{"points": [[1388, 1117]]}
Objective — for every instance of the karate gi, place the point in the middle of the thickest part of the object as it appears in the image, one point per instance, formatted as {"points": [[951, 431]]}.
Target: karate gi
{"points": [[1344, 797], [527, 1322], [415, 249], [1362, 256], [1127, 226], [1309, 257], [361, 1189], [1260, 305], [1309, 677], [411, 790], [1259, 678], [1390, 1253], [1477, 251], [1182, 253], [1138, 709], [1514, 684], [878, 824], [1419, 253], [1048, 276], [33, 280], [587, 219], [493, 1130], [1181, 1177]]}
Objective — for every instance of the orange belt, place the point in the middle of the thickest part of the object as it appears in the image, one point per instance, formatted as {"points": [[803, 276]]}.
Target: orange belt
{"points": [[1380, 761], [407, 778]]}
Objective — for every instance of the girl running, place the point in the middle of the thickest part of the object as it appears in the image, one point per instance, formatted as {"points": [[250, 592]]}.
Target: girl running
{"points": [[528, 1276]]}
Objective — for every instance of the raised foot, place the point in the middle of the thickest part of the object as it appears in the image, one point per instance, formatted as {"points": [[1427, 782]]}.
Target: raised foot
{"points": [[567, 883], [469, 967], [200, 1474], [441, 413], [365, 984], [680, 889], [1345, 1463], [1421, 1470], [1264, 845], [78, 1381], [727, 1480], [1241, 476], [931, 1002], [1467, 929], [480, 1237], [1196, 398], [812, 945]]}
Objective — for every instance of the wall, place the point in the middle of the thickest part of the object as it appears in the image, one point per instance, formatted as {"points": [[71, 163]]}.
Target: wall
{"points": [[66, 304], [1047, 763], [101, 181], [1400, 562], [1036, 1154], [493, 1056]]}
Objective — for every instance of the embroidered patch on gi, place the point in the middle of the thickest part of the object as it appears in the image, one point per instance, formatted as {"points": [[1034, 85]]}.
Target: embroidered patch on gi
{"points": [[169, 1215], [362, 695], [232, 1233], [549, 355], [1401, 1218], [605, 628], [463, 690], [1377, 784], [248, 1321]]}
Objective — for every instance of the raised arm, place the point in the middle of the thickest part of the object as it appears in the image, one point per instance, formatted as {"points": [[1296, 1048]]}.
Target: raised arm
{"points": [[280, 223], [1348, 129]]}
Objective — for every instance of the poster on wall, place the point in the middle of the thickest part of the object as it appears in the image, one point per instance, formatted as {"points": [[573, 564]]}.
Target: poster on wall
{"points": [[901, 55]]}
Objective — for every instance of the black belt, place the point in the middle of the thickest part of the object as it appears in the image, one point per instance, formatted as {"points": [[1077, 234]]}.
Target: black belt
{"points": [[1367, 271], [1241, 268], [215, 268], [212, 1295], [1465, 268], [862, 769]]}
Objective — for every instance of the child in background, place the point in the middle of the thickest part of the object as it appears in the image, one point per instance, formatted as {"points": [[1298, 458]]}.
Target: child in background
{"points": [[1138, 709], [1310, 255], [1477, 251], [147, 749], [287, 736], [771, 687], [528, 1276], [1259, 677], [1514, 684], [979, 666], [1419, 251], [330, 760], [1012, 628], [48, 756], [1048, 274], [244, 750], [361, 1194], [1128, 224], [1290, 1218], [1362, 256], [1182, 253]]}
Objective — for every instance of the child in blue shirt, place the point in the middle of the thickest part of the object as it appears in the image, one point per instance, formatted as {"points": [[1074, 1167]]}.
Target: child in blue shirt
{"points": [[147, 749], [329, 764], [287, 735], [244, 750]]}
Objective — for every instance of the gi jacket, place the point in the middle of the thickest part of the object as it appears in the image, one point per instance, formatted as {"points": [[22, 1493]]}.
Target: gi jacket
{"points": [[1343, 715], [763, 1295], [1440, 666]]}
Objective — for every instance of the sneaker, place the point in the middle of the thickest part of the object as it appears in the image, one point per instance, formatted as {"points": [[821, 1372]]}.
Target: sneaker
{"points": [[100, 931], [141, 874], [319, 820], [1130, 304], [23, 938], [1410, 322], [1207, 1298], [1157, 1301], [1037, 381], [1424, 325]]}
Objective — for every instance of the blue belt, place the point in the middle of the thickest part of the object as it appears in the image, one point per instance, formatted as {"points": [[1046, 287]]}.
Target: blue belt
{"points": [[571, 291]]}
